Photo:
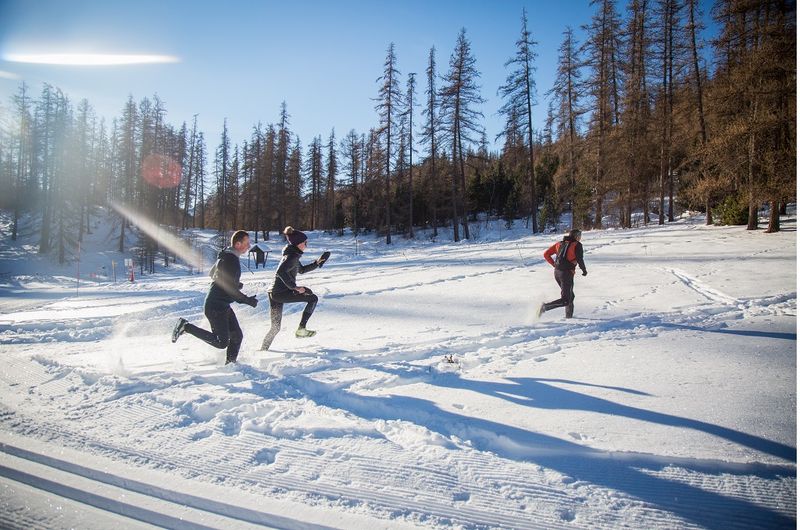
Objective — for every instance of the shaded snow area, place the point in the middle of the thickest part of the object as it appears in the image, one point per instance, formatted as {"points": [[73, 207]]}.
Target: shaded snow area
{"points": [[668, 402]]}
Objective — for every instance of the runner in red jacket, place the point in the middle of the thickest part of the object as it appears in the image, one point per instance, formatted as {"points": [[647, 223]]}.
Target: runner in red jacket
{"points": [[568, 255]]}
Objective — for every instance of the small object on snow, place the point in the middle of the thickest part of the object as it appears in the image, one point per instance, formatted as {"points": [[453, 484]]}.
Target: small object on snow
{"points": [[303, 333], [449, 359], [179, 329], [540, 310]]}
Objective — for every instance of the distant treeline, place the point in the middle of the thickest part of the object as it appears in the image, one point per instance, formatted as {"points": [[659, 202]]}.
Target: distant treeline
{"points": [[637, 122]]}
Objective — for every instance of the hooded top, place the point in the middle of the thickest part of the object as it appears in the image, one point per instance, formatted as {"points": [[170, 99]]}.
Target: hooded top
{"points": [[574, 254], [290, 266], [225, 285]]}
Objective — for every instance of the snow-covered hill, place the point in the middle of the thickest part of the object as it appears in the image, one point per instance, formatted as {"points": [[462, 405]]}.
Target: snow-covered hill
{"points": [[668, 402]]}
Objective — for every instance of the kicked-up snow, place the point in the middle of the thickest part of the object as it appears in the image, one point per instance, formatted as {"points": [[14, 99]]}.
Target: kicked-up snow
{"points": [[668, 402]]}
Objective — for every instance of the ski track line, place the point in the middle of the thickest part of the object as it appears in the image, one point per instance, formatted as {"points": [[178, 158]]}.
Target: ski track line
{"points": [[25, 507], [131, 498], [702, 288]]}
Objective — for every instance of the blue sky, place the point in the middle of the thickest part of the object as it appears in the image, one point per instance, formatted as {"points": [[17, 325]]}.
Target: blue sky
{"points": [[240, 59]]}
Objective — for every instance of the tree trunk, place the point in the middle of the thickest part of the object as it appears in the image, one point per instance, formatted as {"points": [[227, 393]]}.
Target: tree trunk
{"points": [[411, 176], [598, 206], [463, 191], [752, 209], [15, 224], [433, 193], [699, 93], [455, 195], [388, 212], [532, 166], [774, 217]]}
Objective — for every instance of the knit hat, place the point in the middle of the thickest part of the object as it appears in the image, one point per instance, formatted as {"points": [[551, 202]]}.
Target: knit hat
{"points": [[294, 237]]}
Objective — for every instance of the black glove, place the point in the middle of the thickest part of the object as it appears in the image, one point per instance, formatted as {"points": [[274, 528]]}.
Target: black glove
{"points": [[251, 301], [322, 259], [584, 273]]}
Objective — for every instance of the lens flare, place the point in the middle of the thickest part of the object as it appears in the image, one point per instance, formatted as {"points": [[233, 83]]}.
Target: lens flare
{"points": [[88, 59], [174, 244], [161, 171]]}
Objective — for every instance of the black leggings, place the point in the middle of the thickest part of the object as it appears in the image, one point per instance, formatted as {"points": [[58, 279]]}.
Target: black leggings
{"points": [[566, 280], [225, 331], [276, 302]]}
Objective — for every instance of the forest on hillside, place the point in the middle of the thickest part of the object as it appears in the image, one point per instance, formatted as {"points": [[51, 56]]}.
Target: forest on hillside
{"points": [[639, 127]]}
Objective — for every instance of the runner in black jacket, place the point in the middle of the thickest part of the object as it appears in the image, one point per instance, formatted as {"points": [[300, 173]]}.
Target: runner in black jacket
{"points": [[225, 289], [285, 289]]}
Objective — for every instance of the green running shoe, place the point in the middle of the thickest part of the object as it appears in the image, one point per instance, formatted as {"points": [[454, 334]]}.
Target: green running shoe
{"points": [[303, 333]]}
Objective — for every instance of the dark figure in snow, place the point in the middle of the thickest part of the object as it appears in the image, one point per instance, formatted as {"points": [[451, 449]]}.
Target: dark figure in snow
{"points": [[225, 289], [285, 289], [568, 254]]}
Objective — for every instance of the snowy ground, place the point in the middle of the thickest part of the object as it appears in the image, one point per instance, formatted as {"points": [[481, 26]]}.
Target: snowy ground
{"points": [[669, 402]]}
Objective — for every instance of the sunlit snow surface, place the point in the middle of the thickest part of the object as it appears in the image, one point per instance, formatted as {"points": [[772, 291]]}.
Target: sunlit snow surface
{"points": [[668, 402]]}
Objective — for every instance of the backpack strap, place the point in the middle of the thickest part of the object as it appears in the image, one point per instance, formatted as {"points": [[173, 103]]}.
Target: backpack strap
{"points": [[561, 258]]}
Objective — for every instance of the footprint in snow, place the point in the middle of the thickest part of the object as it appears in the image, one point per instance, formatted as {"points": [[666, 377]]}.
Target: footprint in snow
{"points": [[231, 425], [265, 456], [567, 515], [578, 436], [201, 435], [461, 496]]}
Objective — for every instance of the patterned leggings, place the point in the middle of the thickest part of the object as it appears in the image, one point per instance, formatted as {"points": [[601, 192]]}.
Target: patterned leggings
{"points": [[276, 311]]}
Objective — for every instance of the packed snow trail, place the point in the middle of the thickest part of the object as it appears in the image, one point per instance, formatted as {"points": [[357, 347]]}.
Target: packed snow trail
{"points": [[670, 400]]}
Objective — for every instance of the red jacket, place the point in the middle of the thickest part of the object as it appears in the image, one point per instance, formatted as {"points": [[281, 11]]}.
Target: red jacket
{"points": [[574, 253]]}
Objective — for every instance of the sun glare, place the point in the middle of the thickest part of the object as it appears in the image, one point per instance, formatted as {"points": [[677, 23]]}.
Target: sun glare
{"points": [[178, 246], [88, 59]]}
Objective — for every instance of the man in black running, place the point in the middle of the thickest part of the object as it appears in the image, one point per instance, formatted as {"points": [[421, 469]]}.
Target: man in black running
{"points": [[285, 289], [225, 289]]}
